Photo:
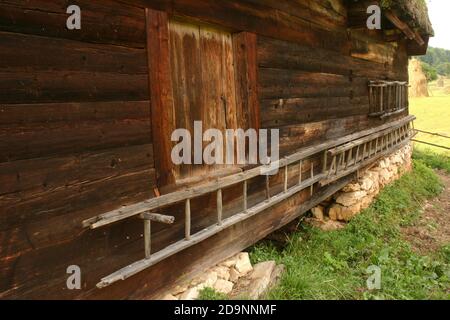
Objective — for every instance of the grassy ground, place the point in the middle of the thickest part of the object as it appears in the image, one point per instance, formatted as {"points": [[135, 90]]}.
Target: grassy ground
{"points": [[332, 265], [433, 114]]}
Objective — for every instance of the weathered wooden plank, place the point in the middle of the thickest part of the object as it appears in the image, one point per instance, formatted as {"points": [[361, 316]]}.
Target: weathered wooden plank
{"points": [[218, 106], [298, 136], [357, 13], [273, 53], [284, 112], [255, 17], [39, 175], [71, 112], [24, 52], [161, 94], [37, 140], [125, 23], [365, 47], [186, 80], [71, 86], [282, 83], [147, 238], [411, 34], [59, 201], [329, 13], [246, 66]]}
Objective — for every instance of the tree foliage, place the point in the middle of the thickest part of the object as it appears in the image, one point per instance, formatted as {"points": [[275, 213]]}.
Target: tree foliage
{"points": [[436, 61], [429, 72]]}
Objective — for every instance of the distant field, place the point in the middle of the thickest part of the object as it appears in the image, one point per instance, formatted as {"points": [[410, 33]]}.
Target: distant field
{"points": [[433, 114], [436, 91]]}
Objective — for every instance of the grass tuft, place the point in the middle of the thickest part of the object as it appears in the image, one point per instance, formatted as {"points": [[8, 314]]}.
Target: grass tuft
{"points": [[211, 294], [432, 159]]}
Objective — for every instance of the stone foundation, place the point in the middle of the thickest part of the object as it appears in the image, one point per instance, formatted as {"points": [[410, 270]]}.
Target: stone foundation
{"points": [[357, 196], [234, 277]]}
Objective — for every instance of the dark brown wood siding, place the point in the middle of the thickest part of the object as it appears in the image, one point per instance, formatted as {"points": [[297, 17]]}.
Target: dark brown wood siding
{"points": [[76, 129], [75, 136]]}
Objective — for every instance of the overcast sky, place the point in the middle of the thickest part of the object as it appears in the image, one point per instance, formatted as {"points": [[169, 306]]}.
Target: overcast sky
{"points": [[439, 11]]}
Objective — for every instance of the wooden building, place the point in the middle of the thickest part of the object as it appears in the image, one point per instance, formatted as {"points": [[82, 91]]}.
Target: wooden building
{"points": [[86, 118]]}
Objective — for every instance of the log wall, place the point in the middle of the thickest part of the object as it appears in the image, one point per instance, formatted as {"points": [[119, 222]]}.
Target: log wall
{"points": [[76, 130]]}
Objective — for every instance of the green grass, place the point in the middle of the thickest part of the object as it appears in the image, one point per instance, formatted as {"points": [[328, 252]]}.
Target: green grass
{"points": [[211, 294], [433, 114], [433, 159], [332, 265]]}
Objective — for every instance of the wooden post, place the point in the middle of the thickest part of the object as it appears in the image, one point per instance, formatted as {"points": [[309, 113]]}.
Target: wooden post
{"points": [[285, 178], [187, 216], [161, 99], [333, 166], [219, 207], [300, 168], [267, 187], [245, 196], [357, 155], [381, 99], [388, 93], [349, 158], [325, 159], [397, 95], [312, 177], [342, 160], [147, 238]]}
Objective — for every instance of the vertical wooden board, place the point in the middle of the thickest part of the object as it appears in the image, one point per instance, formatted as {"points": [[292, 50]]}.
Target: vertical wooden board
{"points": [[245, 58], [228, 82], [161, 93], [213, 106], [186, 79]]}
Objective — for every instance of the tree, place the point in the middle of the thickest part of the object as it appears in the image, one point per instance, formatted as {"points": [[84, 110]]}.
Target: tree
{"points": [[444, 69], [438, 59], [429, 71]]}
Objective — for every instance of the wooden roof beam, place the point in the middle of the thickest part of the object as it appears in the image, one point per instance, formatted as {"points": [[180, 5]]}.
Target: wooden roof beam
{"points": [[410, 34]]}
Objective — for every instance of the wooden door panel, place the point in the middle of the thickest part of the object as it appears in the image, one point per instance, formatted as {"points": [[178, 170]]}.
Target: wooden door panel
{"points": [[203, 82]]}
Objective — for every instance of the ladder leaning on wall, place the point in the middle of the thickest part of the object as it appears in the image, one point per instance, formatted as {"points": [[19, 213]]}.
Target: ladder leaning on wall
{"points": [[341, 157]]}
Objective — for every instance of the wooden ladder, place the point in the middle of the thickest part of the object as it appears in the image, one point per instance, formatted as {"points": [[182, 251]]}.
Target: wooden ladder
{"points": [[341, 157]]}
